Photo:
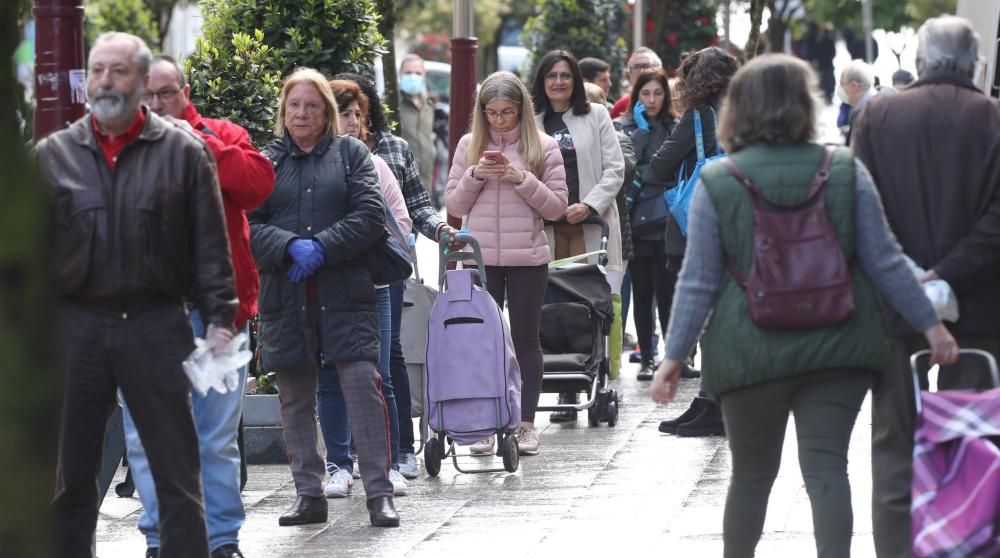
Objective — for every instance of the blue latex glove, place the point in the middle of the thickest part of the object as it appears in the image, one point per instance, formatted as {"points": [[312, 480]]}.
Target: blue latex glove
{"points": [[297, 273], [301, 249], [316, 259], [639, 115]]}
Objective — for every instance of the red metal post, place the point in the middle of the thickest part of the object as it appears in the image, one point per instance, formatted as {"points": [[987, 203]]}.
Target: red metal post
{"points": [[60, 74], [463, 97]]}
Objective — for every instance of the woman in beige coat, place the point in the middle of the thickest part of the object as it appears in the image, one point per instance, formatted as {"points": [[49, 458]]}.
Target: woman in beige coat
{"points": [[595, 169], [594, 163]]}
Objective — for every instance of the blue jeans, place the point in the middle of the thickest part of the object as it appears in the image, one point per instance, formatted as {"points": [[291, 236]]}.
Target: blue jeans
{"points": [[397, 368], [217, 418], [332, 408]]}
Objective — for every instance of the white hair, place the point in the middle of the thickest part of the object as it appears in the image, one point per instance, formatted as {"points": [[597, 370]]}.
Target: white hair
{"points": [[143, 57], [947, 43], [861, 72]]}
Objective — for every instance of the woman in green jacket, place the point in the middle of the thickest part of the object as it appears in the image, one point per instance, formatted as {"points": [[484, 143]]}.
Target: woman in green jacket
{"points": [[819, 375]]}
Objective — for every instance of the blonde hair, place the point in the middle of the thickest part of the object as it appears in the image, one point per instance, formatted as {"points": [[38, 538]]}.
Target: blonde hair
{"points": [[316, 79], [505, 86], [595, 93]]}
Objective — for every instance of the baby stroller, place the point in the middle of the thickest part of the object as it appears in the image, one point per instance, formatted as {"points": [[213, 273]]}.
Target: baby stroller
{"points": [[418, 299], [576, 322], [473, 382], [955, 505]]}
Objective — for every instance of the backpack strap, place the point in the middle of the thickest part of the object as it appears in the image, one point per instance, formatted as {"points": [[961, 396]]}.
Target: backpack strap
{"points": [[819, 180], [345, 160]]}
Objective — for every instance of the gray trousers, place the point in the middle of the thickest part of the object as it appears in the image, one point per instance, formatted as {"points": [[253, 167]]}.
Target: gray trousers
{"points": [[366, 409], [893, 424], [825, 405]]}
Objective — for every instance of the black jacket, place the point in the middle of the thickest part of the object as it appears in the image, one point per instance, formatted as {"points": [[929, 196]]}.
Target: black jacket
{"points": [[646, 143], [152, 228], [934, 153], [674, 151], [312, 199]]}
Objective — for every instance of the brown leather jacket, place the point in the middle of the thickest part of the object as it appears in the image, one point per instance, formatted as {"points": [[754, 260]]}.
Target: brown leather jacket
{"points": [[151, 229]]}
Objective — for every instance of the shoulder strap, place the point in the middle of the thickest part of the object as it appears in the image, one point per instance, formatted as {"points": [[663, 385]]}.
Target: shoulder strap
{"points": [[699, 138], [345, 159]]}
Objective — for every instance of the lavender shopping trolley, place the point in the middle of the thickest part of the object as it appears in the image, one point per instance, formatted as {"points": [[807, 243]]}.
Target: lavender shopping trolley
{"points": [[473, 382], [955, 505]]}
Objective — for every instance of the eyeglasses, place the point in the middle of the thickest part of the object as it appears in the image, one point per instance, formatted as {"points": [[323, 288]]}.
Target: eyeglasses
{"points": [[558, 76], [642, 67], [505, 115], [165, 96]]}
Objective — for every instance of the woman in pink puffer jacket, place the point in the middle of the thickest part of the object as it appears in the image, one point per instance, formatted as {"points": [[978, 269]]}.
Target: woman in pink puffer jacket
{"points": [[507, 177]]}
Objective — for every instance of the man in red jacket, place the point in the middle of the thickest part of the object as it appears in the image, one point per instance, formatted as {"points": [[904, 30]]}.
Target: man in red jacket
{"points": [[246, 179]]}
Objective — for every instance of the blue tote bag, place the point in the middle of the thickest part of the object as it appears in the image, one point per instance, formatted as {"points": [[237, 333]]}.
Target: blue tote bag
{"points": [[679, 197]]}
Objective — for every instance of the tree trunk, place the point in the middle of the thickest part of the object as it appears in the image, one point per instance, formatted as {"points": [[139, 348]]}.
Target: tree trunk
{"points": [[776, 28], [756, 13], [655, 40], [387, 27], [29, 396]]}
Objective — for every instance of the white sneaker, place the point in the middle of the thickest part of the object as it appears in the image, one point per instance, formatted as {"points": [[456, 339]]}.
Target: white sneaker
{"points": [[483, 447], [357, 470], [408, 465], [527, 441], [399, 487], [340, 484]]}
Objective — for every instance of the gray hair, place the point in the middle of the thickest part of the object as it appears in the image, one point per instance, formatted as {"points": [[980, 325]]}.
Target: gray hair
{"points": [[143, 57], [947, 43], [861, 72], [166, 58], [412, 57], [648, 52]]}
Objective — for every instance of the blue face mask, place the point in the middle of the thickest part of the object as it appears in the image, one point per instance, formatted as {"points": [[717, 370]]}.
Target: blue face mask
{"points": [[412, 84]]}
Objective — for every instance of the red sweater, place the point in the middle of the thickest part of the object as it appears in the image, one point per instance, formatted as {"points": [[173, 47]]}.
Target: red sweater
{"points": [[247, 179]]}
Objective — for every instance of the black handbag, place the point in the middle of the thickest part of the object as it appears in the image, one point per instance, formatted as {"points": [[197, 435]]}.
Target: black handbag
{"points": [[388, 258], [649, 210]]}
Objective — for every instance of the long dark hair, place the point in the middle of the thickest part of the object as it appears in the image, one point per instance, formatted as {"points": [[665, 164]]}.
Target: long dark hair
{"points": [[376, 116], [658, 75], [704, 76], [577, 99]]}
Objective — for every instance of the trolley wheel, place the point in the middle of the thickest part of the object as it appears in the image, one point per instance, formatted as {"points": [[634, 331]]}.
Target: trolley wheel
{"points": [[612, 408], [511, 458], [433, 451]]}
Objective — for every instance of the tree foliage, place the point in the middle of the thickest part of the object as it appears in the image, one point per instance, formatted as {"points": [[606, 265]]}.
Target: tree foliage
{"points": [[248, 46], [922, 10], [583, 27], [680, 26], [889, 15], [129, 16]]}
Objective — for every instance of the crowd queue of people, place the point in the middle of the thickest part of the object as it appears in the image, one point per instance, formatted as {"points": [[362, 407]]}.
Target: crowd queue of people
{"points": [[167, 223]]}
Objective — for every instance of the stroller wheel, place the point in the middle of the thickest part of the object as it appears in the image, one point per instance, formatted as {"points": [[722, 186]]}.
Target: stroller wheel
{"points": [[593, 413], [612, 408], [511, 459], [433, 450]]}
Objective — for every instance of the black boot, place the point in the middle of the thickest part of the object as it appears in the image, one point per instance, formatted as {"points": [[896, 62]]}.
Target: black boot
{"points": [[569, 415], [689, 372], [305, 510], [382, 512], [693, 410], [646, 372], [707, 423]]}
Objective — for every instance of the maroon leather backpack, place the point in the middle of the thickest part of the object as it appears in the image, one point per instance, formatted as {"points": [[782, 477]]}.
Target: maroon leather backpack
{"points": [[799, 277]]}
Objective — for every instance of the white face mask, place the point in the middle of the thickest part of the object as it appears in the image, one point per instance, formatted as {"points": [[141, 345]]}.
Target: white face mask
{"points": [[842, 95]]}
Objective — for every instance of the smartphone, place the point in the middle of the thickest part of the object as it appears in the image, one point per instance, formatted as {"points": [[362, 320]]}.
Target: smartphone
{"points": [[494, 156]]}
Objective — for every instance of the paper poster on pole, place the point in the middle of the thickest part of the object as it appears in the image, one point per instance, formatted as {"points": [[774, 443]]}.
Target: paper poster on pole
{"points": [[78, 86]]}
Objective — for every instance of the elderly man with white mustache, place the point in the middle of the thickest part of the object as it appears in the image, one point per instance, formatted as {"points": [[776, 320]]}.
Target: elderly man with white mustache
{"points": [[138, 229]]}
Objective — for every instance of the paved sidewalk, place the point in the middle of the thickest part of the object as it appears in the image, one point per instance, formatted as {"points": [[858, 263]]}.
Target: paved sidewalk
{"points": [[623, 489]]}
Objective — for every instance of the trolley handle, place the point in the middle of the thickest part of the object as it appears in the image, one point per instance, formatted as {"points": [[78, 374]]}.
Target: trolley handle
{"points": [[461, 255], [926, 353], [605, 232]]}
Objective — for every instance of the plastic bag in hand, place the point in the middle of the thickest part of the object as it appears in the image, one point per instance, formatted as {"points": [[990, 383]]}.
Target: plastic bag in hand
{"points": [[217, 371], [939, 292]]}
